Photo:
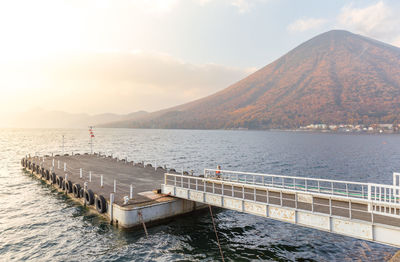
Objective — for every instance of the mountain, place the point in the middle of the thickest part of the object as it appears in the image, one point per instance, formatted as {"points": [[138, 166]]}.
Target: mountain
{"points": [[39, 118], [335, 77]]}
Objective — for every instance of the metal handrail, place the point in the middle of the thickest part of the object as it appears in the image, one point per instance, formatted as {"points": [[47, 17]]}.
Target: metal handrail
{"points": [[368, 195], [283, 176], [207, 183]]}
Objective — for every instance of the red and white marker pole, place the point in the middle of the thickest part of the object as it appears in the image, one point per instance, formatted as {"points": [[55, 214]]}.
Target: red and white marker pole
{"points": [[91, 139]]}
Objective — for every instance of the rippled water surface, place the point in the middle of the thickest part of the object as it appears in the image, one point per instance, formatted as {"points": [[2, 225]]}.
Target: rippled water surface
{"points": [[37, 223]]}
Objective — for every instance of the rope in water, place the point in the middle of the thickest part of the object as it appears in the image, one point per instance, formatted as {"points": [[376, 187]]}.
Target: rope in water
{"points": [[143, 224], [216, 235]]}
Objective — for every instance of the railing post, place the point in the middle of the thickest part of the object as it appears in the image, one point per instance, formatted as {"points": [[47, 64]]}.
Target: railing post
{"points": [[90, 176], [312, 204], [58, 164], [350, 208], [80, 172], [131, 192], [369, 192], [101, 181], [65, 166], [53, 162]]}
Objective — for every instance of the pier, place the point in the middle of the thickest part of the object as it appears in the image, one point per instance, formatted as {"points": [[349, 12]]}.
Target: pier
{"points": [[131, 194], [361, 210], [123, 192]]}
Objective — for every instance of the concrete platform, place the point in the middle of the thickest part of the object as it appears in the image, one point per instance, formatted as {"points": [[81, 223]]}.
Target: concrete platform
{"points": [[146, 205]]}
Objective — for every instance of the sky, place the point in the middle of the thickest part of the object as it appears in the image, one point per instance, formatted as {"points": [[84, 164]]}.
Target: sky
{"points": [[122, 56]]}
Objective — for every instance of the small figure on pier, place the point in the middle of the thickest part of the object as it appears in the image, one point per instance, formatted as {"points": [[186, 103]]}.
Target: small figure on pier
{"points": [[218, 172]]}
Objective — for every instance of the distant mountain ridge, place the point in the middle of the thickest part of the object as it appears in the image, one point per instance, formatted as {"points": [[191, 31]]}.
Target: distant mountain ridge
{"points": [[40, 118], [335, 77]]}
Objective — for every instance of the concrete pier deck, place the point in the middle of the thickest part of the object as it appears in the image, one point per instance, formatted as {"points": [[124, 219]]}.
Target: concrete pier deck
{"points": [[145, 205], [142, 178]]}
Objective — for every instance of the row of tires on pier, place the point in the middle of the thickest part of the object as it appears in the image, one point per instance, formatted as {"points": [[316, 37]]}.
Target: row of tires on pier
{"points": [[67, 185]]}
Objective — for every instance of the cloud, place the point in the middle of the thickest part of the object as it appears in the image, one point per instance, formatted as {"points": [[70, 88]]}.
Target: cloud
{"points": [[242, 6], [119, 82], [305, 24], [377, 21]]}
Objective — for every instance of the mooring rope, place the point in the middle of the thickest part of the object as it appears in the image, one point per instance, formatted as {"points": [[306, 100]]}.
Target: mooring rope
{"points": [[144, 225], [216, 235]]}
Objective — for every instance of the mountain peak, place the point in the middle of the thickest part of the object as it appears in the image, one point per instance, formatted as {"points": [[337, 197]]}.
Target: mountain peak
{"points": [[336, 77]]}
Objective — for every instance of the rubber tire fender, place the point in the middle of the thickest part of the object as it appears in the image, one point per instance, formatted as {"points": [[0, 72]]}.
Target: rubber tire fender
{"points": [[101, 204], [60, 182], [76, 188], [53, 178], [89, 196], [63, 185], [68, 186], [47, 175], [82, 192]]}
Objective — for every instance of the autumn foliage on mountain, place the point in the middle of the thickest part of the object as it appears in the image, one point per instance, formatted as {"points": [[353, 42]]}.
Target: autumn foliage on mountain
{"points": [[334, 78]]}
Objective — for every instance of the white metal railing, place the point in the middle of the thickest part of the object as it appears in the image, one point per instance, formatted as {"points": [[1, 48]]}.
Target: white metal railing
{"points": [[324, 186], [383, 193], [376, 201]]}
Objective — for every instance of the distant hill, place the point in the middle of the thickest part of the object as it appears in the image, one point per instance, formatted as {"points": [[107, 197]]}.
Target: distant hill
{"points": [[39, 118], [336, 77]]}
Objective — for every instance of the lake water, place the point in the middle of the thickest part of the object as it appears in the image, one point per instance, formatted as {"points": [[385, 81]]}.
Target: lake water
{"points": [[37, 223]]}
